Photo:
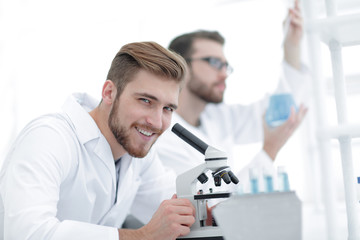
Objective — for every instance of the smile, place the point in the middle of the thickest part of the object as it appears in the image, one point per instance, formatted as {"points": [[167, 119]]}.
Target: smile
{"points": [[146, 133]]}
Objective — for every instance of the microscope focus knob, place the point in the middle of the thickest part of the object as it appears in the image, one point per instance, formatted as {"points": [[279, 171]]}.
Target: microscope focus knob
{"points": [[233, 178], [202, 178]]}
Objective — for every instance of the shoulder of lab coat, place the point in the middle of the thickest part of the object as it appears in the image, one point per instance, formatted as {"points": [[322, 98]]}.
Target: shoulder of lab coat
{"points": [[175, 153], [223, 126], [39, 162]]}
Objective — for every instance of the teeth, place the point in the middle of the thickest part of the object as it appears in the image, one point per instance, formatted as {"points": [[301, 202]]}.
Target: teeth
{"points": [[144, 132]]}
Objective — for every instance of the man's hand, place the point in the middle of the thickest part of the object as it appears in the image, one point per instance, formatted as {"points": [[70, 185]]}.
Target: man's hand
{"points": [[172, 219], [293, 26], [275, 138]]}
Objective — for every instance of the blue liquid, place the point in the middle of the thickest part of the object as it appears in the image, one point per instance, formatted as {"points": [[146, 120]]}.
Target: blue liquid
{"points": [[284, 182], [254, 185], [269, 186], [279, 109]]}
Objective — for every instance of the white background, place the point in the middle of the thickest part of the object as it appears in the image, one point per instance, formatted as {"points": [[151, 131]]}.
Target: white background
{"points": [[49, 49]]}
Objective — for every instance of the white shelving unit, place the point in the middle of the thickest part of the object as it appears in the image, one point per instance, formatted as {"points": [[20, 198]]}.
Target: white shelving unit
{"points": [[342, 29], [337, 32]]}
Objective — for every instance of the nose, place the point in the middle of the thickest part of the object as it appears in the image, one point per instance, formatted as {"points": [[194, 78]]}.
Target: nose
{"points": [[155, 118], [226, 69], [224, 72]]}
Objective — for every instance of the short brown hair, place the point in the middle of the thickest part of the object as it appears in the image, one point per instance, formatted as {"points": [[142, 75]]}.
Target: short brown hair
{"points": [[183, 44], [149, 56]]}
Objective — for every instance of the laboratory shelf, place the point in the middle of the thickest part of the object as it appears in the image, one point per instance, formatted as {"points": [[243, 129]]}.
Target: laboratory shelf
{"points": [[349, 130], [352, 84], [343, 29], [337, 31]]}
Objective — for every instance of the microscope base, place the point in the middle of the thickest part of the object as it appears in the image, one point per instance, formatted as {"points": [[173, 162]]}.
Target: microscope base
{"points": [[208, 233]]}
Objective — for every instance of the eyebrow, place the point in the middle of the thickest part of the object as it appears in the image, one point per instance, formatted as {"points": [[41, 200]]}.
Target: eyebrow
{"points": [[155, 99]]}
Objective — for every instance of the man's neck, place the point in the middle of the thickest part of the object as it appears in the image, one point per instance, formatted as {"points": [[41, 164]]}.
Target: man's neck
{"points": [[190, 108]]}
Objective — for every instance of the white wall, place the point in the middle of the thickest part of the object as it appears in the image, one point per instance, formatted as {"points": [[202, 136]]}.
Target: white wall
{"points": [[49, 49]]}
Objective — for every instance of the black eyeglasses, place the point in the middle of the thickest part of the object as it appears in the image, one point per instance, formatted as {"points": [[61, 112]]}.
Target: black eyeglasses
{"points": [[215, 63]]}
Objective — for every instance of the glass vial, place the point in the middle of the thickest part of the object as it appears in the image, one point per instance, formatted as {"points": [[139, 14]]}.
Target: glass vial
{"points": [[283, 179], [358, 189], [254, 180], [268, 182]]}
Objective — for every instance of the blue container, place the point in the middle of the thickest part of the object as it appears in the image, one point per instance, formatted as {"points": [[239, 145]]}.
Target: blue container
{"points": [[279, 109], [284, 185], [269, 185], [254, 185]]}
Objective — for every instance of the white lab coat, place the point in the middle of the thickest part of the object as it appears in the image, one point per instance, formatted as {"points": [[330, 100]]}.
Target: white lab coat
{"points": [[58, 182], [224, 126]]}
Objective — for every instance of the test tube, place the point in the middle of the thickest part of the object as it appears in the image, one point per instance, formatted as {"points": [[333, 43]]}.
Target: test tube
{"points": [[268, 181], [358, 189], [254, 180], [283, 179]]}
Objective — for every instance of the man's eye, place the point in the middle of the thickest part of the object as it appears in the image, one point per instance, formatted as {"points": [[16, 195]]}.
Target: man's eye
{"points": [[216, 63], [169, 109], [145, 100]]}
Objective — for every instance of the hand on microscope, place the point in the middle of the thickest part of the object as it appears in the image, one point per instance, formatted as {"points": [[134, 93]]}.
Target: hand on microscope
{"points": [[276, 137], [173, 218]]}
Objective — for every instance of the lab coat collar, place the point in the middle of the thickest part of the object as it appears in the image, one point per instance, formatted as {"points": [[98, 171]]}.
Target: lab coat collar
{"points": [[77, 108]]}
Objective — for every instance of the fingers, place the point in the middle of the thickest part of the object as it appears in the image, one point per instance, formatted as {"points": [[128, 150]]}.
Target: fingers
{"points": [[296, 4], [302, 111], [186, 220], [183, 231], [295, 15], [295, 118], [173, 219], [181, 206]]}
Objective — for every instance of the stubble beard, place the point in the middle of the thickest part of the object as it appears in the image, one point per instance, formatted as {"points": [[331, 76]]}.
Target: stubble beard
{"points": [[122, 136], [204, 92]]}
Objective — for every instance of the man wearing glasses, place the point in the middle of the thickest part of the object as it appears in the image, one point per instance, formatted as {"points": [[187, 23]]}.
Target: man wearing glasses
{"points": [[202, 111]]}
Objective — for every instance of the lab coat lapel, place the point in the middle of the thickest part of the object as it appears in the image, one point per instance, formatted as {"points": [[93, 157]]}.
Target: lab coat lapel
{"points": [[129, 182], [103, 151], [76, 108]]}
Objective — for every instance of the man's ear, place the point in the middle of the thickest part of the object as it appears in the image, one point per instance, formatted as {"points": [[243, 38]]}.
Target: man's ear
{"points": [[109, 92]]}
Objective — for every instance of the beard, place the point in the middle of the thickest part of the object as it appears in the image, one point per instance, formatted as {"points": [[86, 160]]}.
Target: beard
{"points": [[122, 135], [204, 92]]}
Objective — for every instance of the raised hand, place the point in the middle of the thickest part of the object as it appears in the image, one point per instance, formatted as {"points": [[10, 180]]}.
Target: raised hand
{"points": [[293, 27], [275, 138]]}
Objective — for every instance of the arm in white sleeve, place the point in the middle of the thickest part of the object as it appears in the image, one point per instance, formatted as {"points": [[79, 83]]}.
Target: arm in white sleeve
{"points": [[30, 190], [298, 82]]}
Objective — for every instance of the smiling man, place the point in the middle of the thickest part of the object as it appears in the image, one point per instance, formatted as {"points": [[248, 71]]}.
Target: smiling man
{"points": [[77, 174]]}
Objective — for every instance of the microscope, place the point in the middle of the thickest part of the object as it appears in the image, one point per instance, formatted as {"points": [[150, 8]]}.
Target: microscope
{"points": [[215, 161]]}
